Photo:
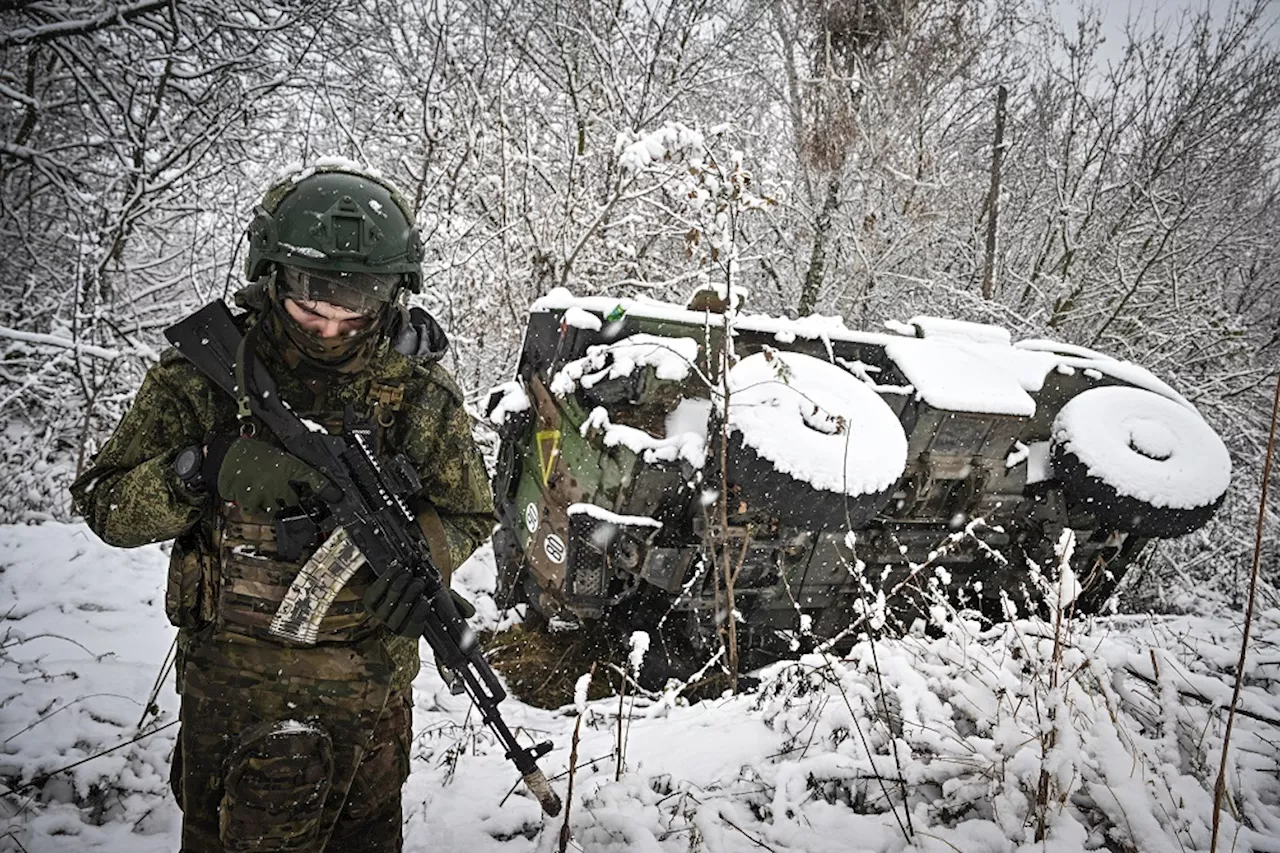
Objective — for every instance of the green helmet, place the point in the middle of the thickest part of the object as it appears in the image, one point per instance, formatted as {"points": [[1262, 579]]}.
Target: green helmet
{"points": [[335, 220]]}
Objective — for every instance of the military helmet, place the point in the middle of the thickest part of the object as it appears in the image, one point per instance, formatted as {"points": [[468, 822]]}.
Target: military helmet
{"points": [[337, 222]]}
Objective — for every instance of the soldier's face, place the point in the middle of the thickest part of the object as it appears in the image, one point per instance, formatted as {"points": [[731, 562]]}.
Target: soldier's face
{"points": [[325, 319]]}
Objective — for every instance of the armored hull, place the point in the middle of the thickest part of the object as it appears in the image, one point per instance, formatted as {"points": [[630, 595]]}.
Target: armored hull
{"points": [[847, 479]]}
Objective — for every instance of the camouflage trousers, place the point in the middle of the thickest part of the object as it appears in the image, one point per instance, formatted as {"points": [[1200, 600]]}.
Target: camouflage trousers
{"points": [[291, 764]]}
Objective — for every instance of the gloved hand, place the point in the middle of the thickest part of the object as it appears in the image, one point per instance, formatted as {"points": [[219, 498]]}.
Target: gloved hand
{"points": [[395, 599], [261, 477]]}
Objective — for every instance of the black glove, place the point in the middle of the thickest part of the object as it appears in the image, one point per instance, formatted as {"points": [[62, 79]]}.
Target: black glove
{"points": [[258, 476], [395, 599]]}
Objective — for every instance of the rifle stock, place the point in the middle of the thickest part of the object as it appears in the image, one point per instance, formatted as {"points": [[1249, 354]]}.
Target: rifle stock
{"points": [[368, 504]]}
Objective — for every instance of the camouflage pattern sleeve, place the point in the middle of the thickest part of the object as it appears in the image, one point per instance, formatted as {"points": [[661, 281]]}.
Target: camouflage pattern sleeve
{"points": [[130, 495], [454, 481]]}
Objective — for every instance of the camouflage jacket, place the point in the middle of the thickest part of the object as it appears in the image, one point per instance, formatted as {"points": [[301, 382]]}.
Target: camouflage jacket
{"points": [[131, 496]]}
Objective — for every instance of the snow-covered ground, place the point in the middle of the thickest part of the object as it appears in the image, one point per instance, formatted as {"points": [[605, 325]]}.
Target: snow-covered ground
{"points": [[972, 741]]}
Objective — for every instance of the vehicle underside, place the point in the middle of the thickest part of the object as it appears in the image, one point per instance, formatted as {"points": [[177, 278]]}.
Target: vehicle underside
{"points": [[854, 482]]}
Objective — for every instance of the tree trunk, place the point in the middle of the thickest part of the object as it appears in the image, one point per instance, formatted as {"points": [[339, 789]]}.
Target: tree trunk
{"points": [[993, 196], [818, 258]]}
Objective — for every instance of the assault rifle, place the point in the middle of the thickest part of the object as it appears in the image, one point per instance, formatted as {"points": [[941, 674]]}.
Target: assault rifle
{"points": [[365, 517]]}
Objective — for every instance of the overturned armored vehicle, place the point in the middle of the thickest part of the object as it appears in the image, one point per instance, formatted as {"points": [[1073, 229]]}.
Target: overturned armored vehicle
{"points": [[844, 478]]}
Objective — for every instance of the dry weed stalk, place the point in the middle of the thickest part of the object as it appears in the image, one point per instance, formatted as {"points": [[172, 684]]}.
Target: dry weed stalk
{"points": [[1049, 739], [730, 576], [831, 677], [621, 751], [1220, 786], [908, 830], [565, 832]]}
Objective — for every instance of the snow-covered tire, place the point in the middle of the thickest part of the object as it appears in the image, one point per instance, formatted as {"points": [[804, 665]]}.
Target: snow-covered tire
{"points": [[809, 443], [1139, 462]]}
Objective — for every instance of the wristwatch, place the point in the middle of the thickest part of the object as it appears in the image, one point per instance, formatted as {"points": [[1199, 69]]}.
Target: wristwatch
{"points": [[189, 466]]}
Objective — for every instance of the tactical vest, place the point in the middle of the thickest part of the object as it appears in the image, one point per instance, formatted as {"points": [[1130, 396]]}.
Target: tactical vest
{"points": [[253, 581], [238, 580]]}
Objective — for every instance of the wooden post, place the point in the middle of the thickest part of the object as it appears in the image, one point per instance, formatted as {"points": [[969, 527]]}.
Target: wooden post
{"points": [[993, 196]]}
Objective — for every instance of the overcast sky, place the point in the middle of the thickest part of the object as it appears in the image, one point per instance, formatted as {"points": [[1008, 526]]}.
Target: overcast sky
{"points": [[1147, 13]]}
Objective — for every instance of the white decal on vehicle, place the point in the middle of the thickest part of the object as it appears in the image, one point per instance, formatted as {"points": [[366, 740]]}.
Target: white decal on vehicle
{"points": [[555, 548], [531, 517]]}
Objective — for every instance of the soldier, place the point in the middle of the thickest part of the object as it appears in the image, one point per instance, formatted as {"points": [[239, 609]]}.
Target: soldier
{"points": [[285, 747]]}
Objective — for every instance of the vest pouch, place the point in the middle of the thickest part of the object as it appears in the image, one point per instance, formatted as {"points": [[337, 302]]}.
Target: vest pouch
{"points": [[254, 580], [184, 594]]}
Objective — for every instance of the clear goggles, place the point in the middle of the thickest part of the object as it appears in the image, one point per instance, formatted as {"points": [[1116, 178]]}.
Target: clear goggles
{"points": [[362, 292]]}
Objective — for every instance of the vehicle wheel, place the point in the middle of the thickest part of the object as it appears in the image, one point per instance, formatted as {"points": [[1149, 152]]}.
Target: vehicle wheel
{"points": [[809, 443], [1139, 462]]}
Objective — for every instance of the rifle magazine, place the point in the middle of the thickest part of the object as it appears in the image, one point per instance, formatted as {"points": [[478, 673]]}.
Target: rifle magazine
{"points": [[313, 591]]}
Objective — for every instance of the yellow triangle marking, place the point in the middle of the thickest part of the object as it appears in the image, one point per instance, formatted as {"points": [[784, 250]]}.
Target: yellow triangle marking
{"points": [[548, 451]]}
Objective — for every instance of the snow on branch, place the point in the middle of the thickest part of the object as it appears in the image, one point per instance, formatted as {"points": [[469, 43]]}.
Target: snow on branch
{"points": [[63, 343], [103, 19]]}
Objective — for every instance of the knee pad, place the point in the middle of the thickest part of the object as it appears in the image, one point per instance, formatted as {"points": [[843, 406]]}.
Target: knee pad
{"points": [[276, 779]]}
